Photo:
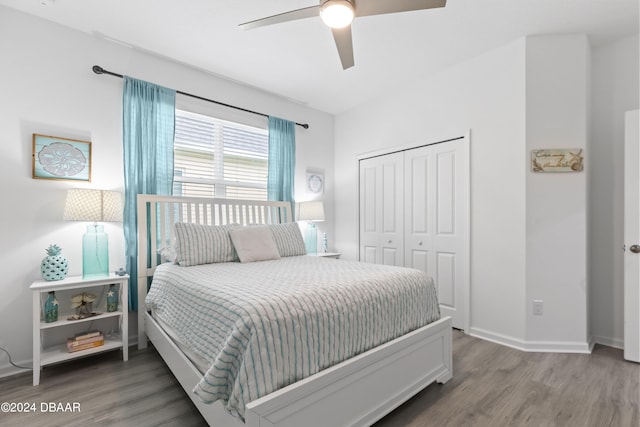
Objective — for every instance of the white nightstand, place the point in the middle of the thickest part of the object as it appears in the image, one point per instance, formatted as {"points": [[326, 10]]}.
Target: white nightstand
{"points": [[334, 255], [48, 355]]}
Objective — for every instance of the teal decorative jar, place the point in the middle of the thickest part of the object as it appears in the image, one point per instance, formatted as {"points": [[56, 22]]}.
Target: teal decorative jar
{"points": [[55, 265], [51, 308], [112, 298]]}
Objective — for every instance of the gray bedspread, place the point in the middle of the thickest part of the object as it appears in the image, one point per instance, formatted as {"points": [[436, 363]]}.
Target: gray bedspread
{"points": [[265, 325]]}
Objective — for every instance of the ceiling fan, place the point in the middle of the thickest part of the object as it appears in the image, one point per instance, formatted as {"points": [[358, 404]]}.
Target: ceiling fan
{"points": [[338, 15]]}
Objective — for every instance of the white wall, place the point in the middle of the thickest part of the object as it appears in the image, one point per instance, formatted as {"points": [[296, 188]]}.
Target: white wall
{"points": [[557, 89], [486, 95], [615, 89], [543, 236], [47, 87]]}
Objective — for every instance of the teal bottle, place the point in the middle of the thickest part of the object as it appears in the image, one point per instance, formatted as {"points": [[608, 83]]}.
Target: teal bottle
{"points": [[51, 308], [112, 298]]}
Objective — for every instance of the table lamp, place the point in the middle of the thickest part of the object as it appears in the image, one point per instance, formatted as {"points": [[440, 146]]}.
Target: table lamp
{"points": [[95, 206], [312, 212]]}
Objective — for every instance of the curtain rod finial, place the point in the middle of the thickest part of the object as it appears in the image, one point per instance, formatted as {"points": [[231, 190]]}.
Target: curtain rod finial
{"points": [[98, 69]]}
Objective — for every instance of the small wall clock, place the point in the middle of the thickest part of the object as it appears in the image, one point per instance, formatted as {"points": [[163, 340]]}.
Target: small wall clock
{"points": [[315, 183]]}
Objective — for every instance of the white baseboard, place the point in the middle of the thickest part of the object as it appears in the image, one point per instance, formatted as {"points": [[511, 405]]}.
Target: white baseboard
{"points": [[532, 346], [7, 370], [608, 341]]}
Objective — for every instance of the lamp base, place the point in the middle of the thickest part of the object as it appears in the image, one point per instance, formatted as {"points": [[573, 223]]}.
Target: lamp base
{"points": [[95, 252], [311, 239]]}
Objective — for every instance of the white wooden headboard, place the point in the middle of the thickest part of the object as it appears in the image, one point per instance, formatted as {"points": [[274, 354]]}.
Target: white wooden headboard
{"points": [[158, 214]]}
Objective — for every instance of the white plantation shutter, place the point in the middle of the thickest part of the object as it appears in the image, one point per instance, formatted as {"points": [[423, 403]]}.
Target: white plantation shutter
{"points": [[217, 158]]}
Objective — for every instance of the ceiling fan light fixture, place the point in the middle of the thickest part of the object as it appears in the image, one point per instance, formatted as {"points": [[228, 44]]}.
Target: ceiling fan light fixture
{"points": [[337, 13]]}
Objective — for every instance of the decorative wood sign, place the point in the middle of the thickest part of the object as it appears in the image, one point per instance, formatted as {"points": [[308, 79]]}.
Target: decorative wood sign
{"points": [[557, 160]]}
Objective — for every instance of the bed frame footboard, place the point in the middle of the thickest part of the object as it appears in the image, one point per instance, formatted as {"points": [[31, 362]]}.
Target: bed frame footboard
{"points": [[356, 392]]}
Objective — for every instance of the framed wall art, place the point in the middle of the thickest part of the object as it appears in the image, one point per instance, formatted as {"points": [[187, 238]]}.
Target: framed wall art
{"points": [[61, 158], [557, 160], [315, 182]]}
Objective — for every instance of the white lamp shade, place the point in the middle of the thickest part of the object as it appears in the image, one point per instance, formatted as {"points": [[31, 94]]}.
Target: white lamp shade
{"points": [[93, 205], [112, 208], [310, 211]]}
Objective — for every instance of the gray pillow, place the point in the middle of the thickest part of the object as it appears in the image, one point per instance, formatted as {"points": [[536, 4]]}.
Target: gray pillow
{"points": [[254, 243]]}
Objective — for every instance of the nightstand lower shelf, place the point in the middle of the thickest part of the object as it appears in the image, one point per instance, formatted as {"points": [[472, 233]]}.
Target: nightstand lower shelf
{"points": [[60, 353]]}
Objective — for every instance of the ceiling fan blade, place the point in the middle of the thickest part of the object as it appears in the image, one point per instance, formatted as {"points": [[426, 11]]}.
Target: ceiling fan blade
{"points": [[344, 43], [307, 12], [381, 7]]}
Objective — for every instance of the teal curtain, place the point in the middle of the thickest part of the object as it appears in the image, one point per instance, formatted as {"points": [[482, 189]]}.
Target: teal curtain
{"points": [[282, 161], [148, 132]]}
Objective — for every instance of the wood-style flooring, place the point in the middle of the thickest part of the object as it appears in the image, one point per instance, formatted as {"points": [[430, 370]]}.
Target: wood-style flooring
{"points": [[492, 386]]}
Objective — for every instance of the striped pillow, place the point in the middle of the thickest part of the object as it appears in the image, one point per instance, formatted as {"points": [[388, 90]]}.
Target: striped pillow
{"points": [[288, 239], [203, 244]]}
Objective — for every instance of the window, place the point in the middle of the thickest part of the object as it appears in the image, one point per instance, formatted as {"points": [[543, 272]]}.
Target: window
{"points": [[217, 158]]}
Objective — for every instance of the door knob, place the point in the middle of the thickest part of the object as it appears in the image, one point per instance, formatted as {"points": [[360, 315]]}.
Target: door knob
{"points": [[635, 249]]}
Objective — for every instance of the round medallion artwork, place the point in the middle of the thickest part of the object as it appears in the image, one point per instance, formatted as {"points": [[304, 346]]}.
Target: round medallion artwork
{"points": [[315, 183], [62, 159]]}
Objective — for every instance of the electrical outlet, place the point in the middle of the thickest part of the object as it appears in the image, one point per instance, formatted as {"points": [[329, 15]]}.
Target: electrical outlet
{"points": [[538, 307]]}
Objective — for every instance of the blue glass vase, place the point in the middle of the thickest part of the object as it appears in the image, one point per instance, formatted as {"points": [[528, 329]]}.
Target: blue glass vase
{"points": [[112, 298], [51, 308], [311, 239], [95, 252]]}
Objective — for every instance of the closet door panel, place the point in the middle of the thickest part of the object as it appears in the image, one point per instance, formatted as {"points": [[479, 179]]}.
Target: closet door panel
{"points": [[419, 259], [417, 180], [446, 278], [381, 200], [369, 216], [369, 210], [449, 238], [434, 232], [445, 193], [369, 254], [420, 213], [392, 206]]}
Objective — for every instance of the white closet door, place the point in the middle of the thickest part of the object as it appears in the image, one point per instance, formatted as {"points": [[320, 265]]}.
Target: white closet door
{"points": [[435, 222], [381, 210], [632, 237]]}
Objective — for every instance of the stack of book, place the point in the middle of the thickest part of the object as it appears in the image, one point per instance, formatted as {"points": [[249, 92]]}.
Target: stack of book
{"points": [[85, 341]]}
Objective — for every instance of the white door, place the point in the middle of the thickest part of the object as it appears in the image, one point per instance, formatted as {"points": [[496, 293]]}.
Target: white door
{"points": [[381, 207], [632, 237], [436, 221]]}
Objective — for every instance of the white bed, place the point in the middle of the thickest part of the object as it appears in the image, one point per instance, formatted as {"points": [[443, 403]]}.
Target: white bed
{"points": [[348, 393]]}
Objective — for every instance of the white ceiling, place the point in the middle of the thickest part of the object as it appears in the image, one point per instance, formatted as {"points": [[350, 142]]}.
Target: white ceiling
{"points": [[299, 61]]}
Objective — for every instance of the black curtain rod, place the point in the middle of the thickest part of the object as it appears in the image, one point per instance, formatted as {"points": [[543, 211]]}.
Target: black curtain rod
{"points": [[99, 70]]}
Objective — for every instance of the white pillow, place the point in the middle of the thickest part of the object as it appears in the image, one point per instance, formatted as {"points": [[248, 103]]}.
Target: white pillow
{"points": [[202, 244], [254, 243], [288, 239]]}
